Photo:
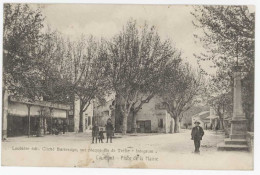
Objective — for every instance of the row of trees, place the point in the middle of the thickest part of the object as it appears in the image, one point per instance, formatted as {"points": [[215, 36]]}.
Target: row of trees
{"points": [[228, 37], [135, 64]]}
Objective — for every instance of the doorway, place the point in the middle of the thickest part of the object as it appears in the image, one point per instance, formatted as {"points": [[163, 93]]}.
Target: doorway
{"points": [[144, 126]]}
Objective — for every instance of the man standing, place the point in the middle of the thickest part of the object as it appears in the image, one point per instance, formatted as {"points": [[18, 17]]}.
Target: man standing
{"points": [[196, 135], [95, 131], [109, 130]]}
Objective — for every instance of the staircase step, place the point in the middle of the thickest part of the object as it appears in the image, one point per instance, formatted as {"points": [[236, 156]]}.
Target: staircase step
{"points": [[229, 141], [232, 147]]}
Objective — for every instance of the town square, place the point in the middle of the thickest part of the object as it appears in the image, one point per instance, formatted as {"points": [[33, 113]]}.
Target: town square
{"points": [[115, 86]]}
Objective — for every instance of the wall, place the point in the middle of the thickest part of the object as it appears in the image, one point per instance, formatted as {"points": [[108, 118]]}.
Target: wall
{"points": [[103, 112], [149, 111], [87, 113]]}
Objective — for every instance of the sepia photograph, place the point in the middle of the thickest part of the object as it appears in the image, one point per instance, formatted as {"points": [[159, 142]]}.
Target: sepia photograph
{"points": [[128, 86]]}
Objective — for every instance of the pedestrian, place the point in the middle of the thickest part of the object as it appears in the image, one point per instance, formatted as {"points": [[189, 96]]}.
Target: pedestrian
{"points": [[101, 135], [95, 132], [196, 135], [64, 125], [109, 130]]}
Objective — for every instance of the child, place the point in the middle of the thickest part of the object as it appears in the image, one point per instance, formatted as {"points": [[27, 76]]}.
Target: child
{"points": [[100, 135]]}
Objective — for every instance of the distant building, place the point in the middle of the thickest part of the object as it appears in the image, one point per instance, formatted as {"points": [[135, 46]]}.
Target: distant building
{"points": [[202, 118], [152, 117], [213, 118], [186, 121]]}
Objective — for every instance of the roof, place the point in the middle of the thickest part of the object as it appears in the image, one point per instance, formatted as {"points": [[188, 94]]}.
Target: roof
{"points": [[202, 115], [39, 103], [204, 112], [212, 117]]}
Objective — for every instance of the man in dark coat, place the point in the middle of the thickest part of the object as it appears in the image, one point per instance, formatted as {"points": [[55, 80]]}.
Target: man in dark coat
{"points": [[196, 135], [109, 130], [95, 131]]}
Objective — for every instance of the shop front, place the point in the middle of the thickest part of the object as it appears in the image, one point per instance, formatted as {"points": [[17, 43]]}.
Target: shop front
{"points": [[36, 118]]}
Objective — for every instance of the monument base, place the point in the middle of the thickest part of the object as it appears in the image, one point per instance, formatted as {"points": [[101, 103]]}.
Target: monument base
{"points": [[237, 138], [238, 128]]}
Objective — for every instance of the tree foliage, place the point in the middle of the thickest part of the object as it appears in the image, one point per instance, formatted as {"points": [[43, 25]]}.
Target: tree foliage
{"points": [[228, 36], [136, 61], [22, 38], [87, 71], [180, 90]]}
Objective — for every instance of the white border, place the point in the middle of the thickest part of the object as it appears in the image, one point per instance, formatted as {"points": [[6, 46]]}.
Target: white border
{"points": [[92, 171]]}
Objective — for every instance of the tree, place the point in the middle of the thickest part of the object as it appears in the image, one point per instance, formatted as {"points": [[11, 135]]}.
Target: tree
{"points": [[180, 89], [228, 36], [86, 70], [222, 104], [54, 82], [136, 59], [22, 38]]}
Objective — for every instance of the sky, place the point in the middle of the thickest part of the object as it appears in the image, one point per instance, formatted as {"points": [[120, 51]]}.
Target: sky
{"points": [[171, 21]]}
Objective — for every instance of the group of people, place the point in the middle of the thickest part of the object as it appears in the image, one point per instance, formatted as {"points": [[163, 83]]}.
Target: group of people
{"points": [[98, 133], [59, 126]]}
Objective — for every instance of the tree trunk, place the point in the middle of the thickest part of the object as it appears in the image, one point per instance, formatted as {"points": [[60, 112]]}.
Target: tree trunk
{"points": [[81, 120], [176, 124], [134, 125], [221, 127], [124, 126], [172, 126]]}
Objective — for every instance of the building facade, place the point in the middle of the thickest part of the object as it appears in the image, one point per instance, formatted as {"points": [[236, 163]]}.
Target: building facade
{"points": [[24, 117], [152, 117], [75, 117]]}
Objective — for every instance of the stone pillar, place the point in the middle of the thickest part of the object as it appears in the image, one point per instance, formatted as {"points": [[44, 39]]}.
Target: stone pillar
{"points": [[4, 114], [238, 122]]}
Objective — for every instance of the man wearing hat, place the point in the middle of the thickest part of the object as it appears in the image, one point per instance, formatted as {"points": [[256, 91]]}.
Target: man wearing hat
{"points": [[196, 135]]}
